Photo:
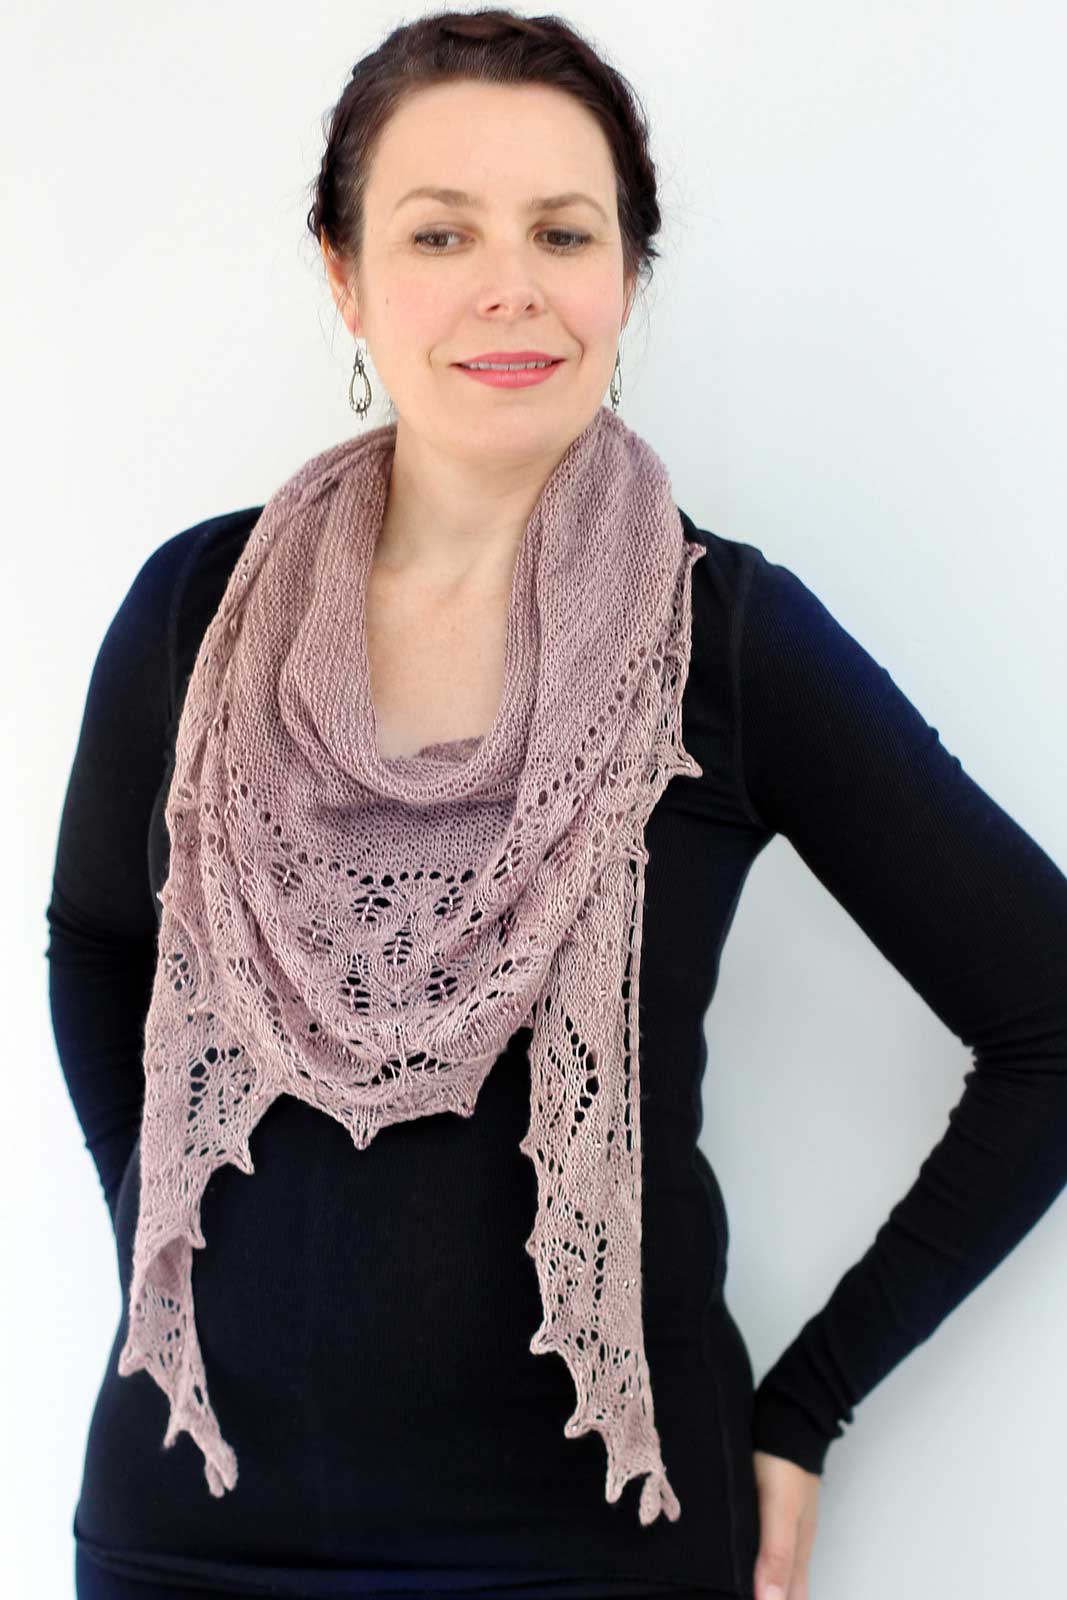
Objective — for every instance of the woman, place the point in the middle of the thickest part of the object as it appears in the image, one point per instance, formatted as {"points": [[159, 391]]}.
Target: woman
{"points": [[364, 1320]]}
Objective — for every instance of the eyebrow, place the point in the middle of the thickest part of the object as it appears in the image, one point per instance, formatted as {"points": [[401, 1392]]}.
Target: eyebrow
{"points": [[459, 197]]}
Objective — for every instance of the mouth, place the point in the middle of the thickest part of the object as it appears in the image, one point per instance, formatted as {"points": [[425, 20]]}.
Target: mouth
{"points": [[509, 364], [522, 373]]}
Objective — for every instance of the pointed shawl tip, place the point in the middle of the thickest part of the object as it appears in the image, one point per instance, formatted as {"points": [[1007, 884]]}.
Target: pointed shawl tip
{"points": [[656, 1496]]}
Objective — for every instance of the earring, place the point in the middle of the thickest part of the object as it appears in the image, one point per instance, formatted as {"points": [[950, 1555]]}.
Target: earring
{"points": [[616, 388], [361, 407]]}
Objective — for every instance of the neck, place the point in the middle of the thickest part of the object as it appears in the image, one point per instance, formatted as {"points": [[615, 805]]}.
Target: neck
{"points": [[457, 520]]}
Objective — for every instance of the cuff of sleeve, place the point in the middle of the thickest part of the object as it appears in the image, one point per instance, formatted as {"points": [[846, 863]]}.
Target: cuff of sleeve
{"points": [[782, 1428]]}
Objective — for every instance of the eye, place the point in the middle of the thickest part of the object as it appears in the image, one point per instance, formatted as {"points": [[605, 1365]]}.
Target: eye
{"points": [[577, 239]]}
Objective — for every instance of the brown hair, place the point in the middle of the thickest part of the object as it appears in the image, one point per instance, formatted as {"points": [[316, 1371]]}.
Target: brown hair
{"points": [[490, 46]]}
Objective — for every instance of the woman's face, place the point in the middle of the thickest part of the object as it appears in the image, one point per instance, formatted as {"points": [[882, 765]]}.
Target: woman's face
{"points": [[444, 280]]}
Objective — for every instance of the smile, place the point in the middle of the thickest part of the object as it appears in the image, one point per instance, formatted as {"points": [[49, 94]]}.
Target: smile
{"points": [[511, 375]]}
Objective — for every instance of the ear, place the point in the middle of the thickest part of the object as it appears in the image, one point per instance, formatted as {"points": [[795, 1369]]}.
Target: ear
{"points": [[631, 291], [341, 288]]}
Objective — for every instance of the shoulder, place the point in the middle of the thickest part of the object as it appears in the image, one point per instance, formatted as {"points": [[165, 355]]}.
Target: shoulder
{"points": [[723, 580], [208, 553], [737, 574], [725, 575], [188, 558], [711, 710], [772, 665], [769, 612], [727, 562], [175, 592]]}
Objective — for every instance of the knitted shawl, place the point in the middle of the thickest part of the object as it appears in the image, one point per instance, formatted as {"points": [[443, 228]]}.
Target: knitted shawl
{"points": [[367, 933]]}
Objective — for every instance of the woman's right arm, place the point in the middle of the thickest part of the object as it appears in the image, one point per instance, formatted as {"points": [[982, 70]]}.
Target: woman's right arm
{"points": [[102, 922]]}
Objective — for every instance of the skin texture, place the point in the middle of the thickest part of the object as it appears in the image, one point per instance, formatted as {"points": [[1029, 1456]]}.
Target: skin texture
{"points": [[788, 1508], [471, 460]]}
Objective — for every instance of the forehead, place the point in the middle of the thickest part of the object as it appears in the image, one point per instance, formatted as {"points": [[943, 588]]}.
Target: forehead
{"points": [[494, 142]]}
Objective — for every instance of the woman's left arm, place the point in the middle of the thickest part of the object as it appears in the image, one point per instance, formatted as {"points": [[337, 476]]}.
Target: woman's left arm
{"points": [[973, 913]]}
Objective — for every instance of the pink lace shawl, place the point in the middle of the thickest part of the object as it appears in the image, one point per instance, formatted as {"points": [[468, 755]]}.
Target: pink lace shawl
{"points": [[367, 933]]}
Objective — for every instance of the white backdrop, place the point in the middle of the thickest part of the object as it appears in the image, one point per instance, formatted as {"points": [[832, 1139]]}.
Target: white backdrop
{"points": [[853, 355]]}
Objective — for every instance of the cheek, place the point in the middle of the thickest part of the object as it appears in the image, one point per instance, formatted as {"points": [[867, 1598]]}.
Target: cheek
{"points": [[413, 326], [594, 315], [427, 315]]}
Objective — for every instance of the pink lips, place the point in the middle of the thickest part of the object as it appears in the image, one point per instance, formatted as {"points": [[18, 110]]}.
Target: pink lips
{"points": [[512, 355], [513, 380]]}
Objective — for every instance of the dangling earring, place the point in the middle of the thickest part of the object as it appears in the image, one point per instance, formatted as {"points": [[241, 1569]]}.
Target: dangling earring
{"points": [[361, 407], [616, 388]]}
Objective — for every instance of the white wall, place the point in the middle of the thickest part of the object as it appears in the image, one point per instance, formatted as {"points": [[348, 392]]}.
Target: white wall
{"points": [[853, 356]]}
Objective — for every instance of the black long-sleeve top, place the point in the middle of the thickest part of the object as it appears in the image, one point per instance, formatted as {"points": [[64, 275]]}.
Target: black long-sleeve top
{"points": [[365, 1320]]}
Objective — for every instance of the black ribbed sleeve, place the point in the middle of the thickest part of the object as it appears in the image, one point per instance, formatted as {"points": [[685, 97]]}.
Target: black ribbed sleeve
{"points": [[973, 914]]}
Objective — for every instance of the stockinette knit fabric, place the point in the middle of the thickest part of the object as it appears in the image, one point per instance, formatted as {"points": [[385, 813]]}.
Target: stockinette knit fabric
{"points": [[367, 933]]}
